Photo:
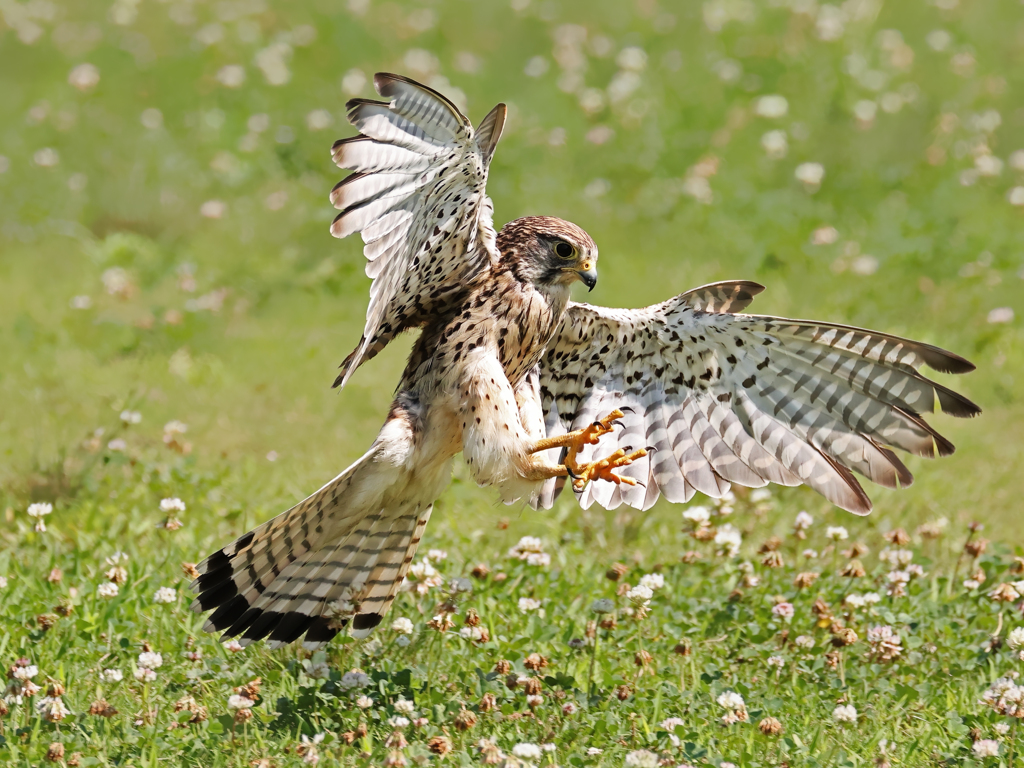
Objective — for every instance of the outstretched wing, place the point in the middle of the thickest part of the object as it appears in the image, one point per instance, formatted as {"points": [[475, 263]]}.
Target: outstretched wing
{"points": [[417, 196], [724, 398]]}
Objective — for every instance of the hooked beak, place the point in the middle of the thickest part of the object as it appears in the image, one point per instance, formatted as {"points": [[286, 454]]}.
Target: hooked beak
{"points": [[588, 274]]}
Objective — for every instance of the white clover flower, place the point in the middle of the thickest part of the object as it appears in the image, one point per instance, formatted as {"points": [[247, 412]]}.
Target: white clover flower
{"points": [[353, 82], [172, 505], [773, 106], [855, 601], [404, 706], [845, 714], [117, 444], [131, 417], [805, 642], [1001, 315], [84, 77], [437, 555], [731, 700], [211, 209], [165, 595], [402, 626], [640, 594], [364, 702], [642, 758], [871, 598], [319, 670], [112, 675], [25, 673], [471, 633], [3, 582], [145, 675], [1001, 728], [538, 559], [729, 539], [526, 545], [759, 495], [698, 515], [776, 661], [527, 751], [38, 511], [986, 748], [593, 751], [810, 174], [237, 701], [151, 660], [319, 119], [672, 723], [810, 554], [603, 605], [652, 581], [632, 58], [775, 145], [233, 645], [836, 533], [1005, 592], [355, 679], [783, 610], [397, 721], [1016, 638], [527, 604], [107, 589], [52, 709], [803, 521]]}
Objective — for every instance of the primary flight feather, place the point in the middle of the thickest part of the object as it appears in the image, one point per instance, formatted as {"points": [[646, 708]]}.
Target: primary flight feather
{"points": [[537, 391]]}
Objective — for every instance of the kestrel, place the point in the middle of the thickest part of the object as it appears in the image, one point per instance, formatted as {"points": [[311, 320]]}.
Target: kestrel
{"points": [[537, 391]]}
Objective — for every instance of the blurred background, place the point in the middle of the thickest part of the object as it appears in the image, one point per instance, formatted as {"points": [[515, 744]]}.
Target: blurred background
{"points": [[164, 246]]}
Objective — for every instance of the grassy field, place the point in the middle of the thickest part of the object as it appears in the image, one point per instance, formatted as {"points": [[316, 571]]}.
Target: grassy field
{"points": [[164, 251]]}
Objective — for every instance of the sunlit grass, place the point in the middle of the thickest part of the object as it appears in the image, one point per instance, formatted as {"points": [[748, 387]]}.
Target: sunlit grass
{"points": [[164, 249]]}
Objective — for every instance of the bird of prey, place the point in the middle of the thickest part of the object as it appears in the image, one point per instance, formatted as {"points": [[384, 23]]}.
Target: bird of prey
{"points": [[537, 391]]}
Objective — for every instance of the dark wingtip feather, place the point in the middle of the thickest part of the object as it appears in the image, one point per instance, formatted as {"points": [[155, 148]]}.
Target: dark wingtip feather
{"points": [[243, 622], [944, 361], [956, 404], [292, 625], [367, 620], [265, 623], [320, 631], [228, 613], [215, 595]]}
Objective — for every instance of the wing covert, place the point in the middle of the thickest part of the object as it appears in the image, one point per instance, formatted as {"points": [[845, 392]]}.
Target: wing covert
{"points": [[721, 398]]}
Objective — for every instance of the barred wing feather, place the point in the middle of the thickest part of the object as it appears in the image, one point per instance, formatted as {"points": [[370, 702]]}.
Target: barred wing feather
{"points": [[720, 398], [417, 196]]}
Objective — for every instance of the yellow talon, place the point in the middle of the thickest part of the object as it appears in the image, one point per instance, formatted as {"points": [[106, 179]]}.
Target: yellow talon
{"points": [[603, 469]]}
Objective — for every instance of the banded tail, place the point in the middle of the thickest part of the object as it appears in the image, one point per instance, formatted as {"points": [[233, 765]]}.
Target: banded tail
{"points": [[338, 556]]}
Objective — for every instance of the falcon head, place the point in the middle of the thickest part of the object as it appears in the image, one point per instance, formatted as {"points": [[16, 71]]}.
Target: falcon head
{"points": [[548, 252]]}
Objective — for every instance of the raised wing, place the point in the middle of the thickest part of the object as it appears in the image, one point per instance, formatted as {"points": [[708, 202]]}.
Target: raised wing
{"points": [[417, 196], [724, 398]]}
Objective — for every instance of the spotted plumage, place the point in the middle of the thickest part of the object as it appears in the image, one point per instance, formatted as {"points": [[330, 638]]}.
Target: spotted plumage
{"points": [[509, 372]]}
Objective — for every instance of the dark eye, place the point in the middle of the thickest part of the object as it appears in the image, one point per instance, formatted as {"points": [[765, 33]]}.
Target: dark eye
{"points": [[564, 250]]}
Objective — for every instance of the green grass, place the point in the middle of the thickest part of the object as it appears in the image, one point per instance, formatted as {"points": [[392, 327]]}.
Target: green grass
{"points": [[250, 375]]}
